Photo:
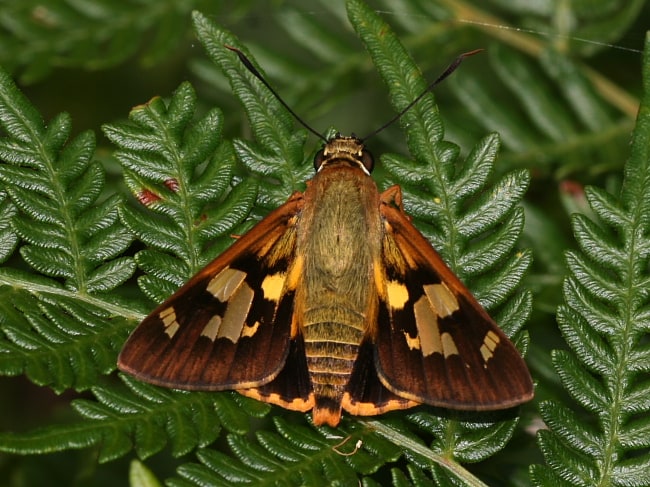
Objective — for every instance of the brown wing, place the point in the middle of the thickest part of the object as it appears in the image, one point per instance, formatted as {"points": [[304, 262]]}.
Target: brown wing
{"points": [[229, 327], [434, 342]]}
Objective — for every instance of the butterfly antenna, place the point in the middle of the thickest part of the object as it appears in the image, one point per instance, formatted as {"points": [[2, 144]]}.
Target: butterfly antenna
{"points": [[450, 69], [259, 76]]}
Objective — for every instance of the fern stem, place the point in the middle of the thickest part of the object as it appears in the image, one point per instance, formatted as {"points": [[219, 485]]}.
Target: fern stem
{"points": [[628, 294], [37, 287]]}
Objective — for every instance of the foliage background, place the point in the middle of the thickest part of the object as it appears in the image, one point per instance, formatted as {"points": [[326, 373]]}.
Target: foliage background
{"points": [[98, 59]]}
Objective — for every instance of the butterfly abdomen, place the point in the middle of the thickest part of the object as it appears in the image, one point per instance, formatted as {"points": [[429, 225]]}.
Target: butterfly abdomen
{"points": [[331, 349]]}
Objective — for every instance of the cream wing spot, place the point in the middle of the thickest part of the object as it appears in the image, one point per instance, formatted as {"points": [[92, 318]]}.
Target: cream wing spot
{"points": [[211, 329], [237, 310], [490, 343], [443, 301], [224, 284], [448, 345], [426, 322], [168, 317]]}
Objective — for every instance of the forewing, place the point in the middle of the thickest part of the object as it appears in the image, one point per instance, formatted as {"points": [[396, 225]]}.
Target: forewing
{"points": [[229, 327], [435, 343]]}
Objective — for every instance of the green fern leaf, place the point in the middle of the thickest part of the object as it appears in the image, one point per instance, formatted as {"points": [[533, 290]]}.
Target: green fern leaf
{"points": [[54, 185], [604, 322], [59, 332]]}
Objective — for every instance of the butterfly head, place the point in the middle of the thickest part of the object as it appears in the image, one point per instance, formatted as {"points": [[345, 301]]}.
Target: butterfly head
{"points": [[340, 149]]}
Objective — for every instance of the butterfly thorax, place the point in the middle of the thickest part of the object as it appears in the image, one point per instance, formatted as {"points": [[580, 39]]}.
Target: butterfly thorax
{"points": [[340, 243]]}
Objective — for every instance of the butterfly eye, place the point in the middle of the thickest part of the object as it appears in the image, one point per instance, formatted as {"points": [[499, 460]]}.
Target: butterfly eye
{"points": [[367, 160], [318, 159]]}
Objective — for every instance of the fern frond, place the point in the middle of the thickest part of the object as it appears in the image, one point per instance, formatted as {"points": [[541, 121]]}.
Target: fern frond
{"points": [[53, 336], [604, 320], [164, 153], [59, 332], [55, 185], [181, 171]]}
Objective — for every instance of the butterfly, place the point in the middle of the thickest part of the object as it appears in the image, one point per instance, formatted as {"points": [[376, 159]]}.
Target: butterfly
{"points": [[333, 302]]}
